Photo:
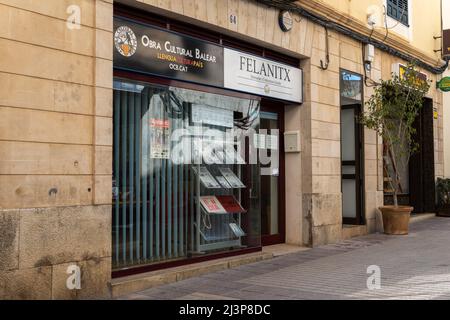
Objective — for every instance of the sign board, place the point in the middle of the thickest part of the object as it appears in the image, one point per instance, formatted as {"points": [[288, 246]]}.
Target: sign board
{"points": [[253, 74], [444, 84], [162, 53], [400, 70], [159, 52]]}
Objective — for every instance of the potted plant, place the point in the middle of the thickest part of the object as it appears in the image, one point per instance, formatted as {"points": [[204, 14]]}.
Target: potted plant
{"points": [[391, 112], [443, 197]]}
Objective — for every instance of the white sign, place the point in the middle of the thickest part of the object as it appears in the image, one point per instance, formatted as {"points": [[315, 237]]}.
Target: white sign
{"points": [[252, 74], [211, 115]]}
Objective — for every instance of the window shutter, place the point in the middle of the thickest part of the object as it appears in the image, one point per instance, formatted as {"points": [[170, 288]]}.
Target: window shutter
{"points": [[398, 9]]}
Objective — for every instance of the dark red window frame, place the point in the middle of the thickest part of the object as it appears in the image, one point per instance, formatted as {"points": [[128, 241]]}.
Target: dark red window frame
{"points": [[207, 35]]}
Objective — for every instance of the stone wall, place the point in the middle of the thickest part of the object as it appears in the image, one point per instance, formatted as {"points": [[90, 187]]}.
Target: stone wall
{"points": [[326, 197], [38, 245], [55, 148]]}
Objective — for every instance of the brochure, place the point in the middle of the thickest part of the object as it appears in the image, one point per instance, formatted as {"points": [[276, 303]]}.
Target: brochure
{"points": [[206, 178], [212, 205], [223, 182], [237, 230], [232, 179], [230, 204]]}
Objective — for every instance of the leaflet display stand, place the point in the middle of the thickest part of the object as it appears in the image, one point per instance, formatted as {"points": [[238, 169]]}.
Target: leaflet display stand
{"points": [[217, 206]]}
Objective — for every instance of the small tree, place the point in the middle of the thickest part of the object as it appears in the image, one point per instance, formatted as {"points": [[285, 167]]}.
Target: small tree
{"points": [[391, 112]]}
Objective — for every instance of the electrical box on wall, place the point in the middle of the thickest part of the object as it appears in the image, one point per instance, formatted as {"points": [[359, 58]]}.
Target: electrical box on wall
{"points": [[369, 53], [292, 142]]}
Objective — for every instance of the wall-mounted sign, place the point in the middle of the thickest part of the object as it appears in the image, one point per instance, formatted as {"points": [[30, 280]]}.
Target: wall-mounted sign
{"points": [[444, 84], [158, 52], [285, 20], [249, 73], [167, 54], [400, 70]]}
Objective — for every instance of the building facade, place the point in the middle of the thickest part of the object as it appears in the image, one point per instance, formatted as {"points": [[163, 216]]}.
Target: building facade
{"points": [[92, 94]]}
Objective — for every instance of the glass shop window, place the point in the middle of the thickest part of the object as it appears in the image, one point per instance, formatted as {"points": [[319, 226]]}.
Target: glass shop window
{"points": [[186, 177]]}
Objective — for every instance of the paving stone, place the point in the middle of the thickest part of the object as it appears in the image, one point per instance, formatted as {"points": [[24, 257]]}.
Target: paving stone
{"points": [[412, 267]]}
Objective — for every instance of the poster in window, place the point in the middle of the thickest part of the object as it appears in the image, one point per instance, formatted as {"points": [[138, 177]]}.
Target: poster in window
{"points": [[160, 140]]}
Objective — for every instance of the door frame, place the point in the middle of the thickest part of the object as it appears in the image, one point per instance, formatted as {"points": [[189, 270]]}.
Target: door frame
{"points": [[359, 168], [272, 106], [421, 165], [359, 162]]}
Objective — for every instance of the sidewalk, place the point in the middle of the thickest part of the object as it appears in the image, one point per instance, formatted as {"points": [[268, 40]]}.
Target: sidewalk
{"points": [[412, 267]]}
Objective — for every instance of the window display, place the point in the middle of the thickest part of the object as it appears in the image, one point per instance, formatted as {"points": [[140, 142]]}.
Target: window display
{"points": [[186, 175]]}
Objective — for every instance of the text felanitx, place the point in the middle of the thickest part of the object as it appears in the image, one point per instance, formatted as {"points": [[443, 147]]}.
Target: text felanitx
{"points": [[265, 69]]}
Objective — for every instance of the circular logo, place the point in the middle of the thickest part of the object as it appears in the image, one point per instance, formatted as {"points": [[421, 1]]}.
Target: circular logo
{"points": [[125, 41]]}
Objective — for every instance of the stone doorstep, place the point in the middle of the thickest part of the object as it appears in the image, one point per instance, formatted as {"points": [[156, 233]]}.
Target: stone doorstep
{"points": [[143, 281], [279, 250], [349, 231], [421, 217]]}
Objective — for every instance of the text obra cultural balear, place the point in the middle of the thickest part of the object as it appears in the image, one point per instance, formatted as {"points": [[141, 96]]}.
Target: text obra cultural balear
{"points": [[168, 47]]}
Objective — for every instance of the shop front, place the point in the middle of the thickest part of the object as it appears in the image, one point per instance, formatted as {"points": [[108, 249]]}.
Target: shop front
{"points": [[198, 169]]}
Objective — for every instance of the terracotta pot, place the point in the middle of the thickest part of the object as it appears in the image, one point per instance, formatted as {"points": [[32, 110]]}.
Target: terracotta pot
{"points": [[396, 219]]}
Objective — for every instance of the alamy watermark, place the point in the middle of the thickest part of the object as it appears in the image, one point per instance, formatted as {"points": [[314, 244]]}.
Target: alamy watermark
{"points": [[73, 22], [201, 145], [73, 282], [374, 280]]}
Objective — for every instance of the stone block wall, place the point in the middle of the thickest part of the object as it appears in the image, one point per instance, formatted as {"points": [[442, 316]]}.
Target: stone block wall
{"points": [[326, 198], [55, 148]]}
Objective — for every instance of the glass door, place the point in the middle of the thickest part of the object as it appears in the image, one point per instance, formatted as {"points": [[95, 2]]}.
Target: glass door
{"points": [[352, 149], [272, 174]]}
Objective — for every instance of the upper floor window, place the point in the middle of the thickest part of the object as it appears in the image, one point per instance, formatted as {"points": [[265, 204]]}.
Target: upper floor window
{"points": [[398, 10]]}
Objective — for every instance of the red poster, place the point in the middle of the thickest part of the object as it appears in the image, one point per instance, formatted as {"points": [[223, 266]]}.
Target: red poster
{"points": [[159, 123]]}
